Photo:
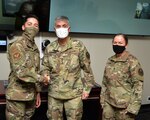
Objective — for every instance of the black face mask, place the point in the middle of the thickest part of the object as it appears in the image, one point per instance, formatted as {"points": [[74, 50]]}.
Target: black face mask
{"points": [[118, 49]]}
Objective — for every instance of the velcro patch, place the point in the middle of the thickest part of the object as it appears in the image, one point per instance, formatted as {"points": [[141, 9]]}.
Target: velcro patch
{"points": [[16, 56], [140, 71]]}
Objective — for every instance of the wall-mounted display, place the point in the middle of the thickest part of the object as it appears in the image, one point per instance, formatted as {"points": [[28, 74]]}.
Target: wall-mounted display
{"points": [[3, 43], [103, 16], [17, 10]]}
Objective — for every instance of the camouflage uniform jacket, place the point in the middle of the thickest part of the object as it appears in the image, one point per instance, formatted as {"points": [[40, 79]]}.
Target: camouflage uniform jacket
{"points": [[64, 65], [123, 82], [24, 59]]}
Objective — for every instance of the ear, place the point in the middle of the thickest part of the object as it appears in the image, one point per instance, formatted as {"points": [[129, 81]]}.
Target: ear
{"points": [[69, 29], [54, 29], [23, 27]]}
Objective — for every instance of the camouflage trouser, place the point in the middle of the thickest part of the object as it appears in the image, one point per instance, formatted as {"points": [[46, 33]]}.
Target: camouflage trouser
{"points": [[73, 108], [19, 110], [113, 113]]}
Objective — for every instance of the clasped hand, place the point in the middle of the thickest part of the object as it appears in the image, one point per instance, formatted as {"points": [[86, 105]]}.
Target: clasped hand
{"points": [[46, 79]]}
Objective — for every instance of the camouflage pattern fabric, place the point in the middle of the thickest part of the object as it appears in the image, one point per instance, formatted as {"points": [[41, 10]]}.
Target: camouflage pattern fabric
{"points": [[123, 83], [25, 64], [19, 110], [64, 64], [73, 108], [113, 113], [23, 86]]}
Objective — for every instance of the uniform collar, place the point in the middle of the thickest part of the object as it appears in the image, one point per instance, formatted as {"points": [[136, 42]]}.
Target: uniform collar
{"points": [[121, 58], [61, 48]]}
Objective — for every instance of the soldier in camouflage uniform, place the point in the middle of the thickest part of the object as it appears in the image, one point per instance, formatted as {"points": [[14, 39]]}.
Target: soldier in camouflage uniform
{"points": [[122, 83], [22, 93], [63, 60]]}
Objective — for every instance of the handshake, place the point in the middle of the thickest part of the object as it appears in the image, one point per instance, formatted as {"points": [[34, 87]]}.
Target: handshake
{"points": [[46, 79]]}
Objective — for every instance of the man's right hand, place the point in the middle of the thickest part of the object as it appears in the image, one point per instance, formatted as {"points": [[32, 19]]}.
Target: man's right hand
{"points": [[46, 79]]}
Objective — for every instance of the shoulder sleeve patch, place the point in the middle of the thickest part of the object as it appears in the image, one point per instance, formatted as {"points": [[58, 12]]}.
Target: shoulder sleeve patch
{"points": [[140, 72], [16, 54], [87, 55]]}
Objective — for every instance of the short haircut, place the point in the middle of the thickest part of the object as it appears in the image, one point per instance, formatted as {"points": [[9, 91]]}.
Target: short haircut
{"points": [[62, 18], [30, 16], [123, 35]]}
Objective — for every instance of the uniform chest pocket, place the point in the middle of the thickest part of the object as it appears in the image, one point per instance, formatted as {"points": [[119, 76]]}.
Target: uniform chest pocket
{"points": [[68, 61], [32, 60]]}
